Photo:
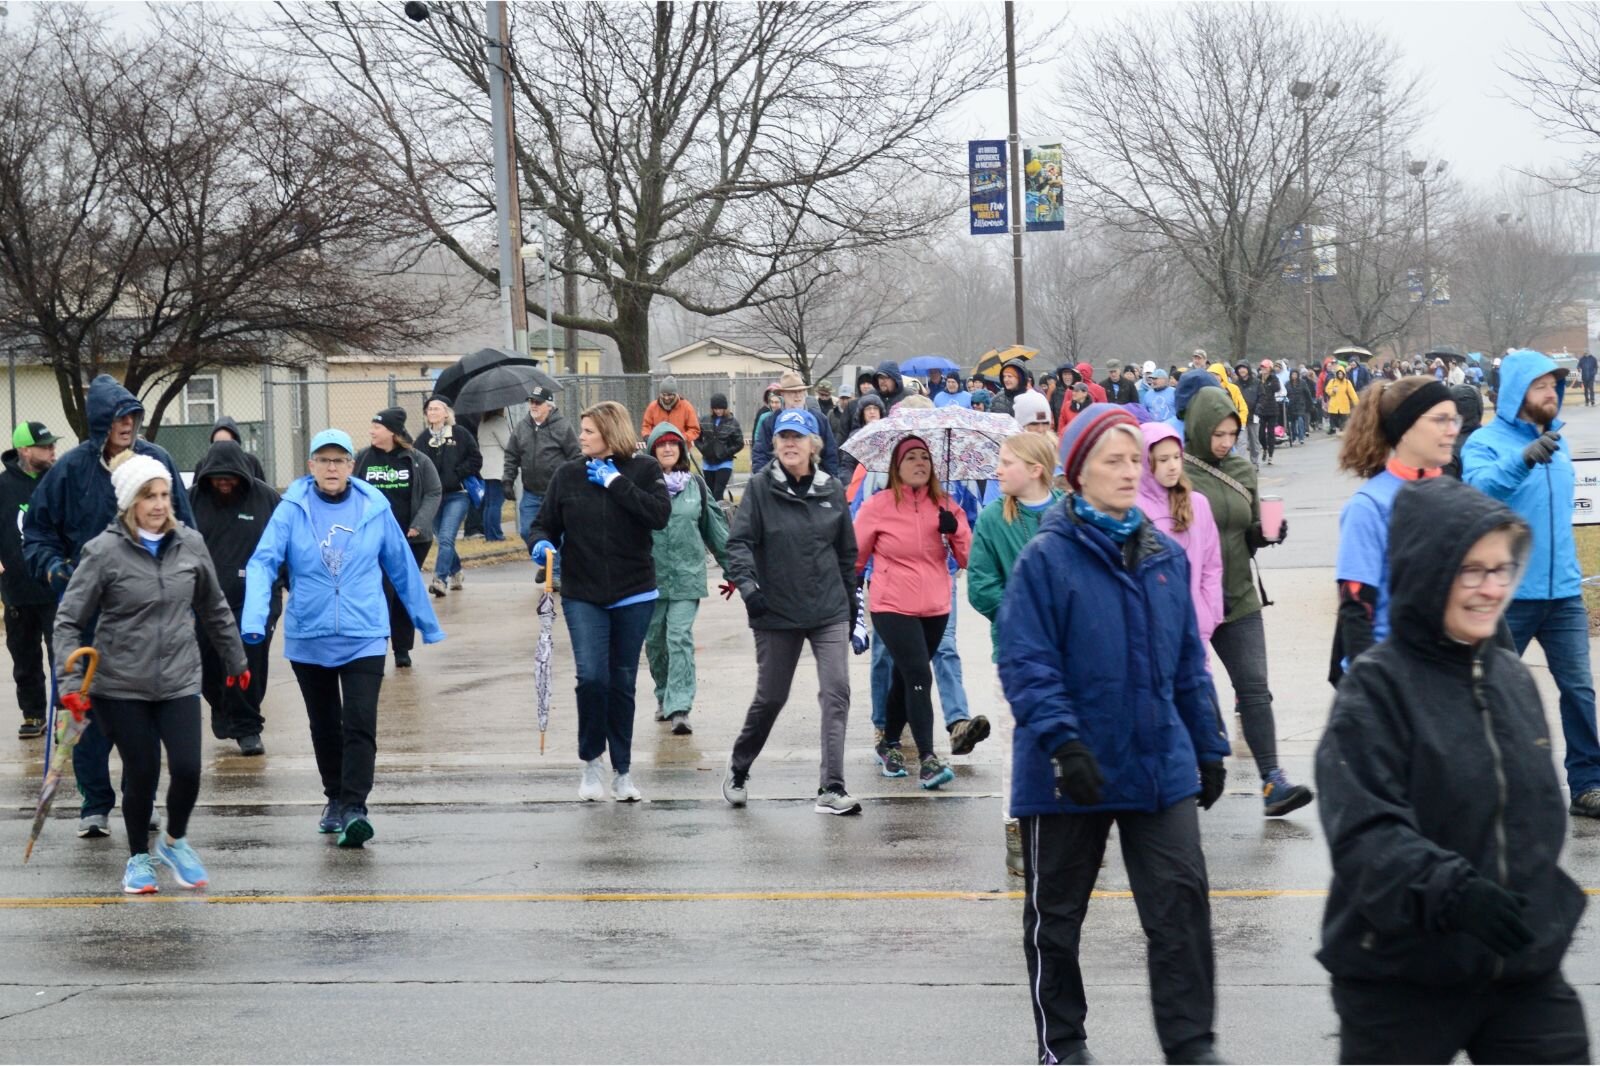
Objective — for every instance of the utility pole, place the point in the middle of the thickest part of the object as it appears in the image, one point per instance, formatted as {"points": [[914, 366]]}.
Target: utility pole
{"points": [[507, 204], [1014, 141], [1419, 170], [1301, 91]]}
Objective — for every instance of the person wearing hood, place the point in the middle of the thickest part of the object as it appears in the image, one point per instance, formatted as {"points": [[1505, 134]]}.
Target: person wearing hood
{"points": [[73, 504], [409, 482], [1013, 383], [868, 408], [792, 393], [29, 604], [1403, 433], [141, 586], [1302, 397], [1249, 388], [891, 384], [1168, 500], [1242, 409], [1188, 385], [454, 453], [225, 428], [952, 395], [1520, 459], [1160, 398], [1449, 916], [1228, 482], [336, 537], [721, 438], [231, 511], [1341, 399], [697, 526], [1096, 748], [982, 401], [670, 406], [1269, 409], [1469, 405]]}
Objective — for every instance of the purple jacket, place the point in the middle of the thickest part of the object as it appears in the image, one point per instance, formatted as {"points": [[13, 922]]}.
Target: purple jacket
{"points": [[1200, 541]]}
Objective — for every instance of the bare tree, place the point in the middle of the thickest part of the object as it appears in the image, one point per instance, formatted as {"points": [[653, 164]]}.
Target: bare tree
{"points": [[1073, 298], [158, 215], [1184, 141], [758, 138], [1511, 284], [1560, 82]]}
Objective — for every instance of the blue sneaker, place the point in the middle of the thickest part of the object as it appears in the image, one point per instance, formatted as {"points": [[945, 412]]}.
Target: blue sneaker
{"points": [[332, 819], [185, 864], [1279, 797], [139, 877], [891, 760], [356, 830], [934, 773]]}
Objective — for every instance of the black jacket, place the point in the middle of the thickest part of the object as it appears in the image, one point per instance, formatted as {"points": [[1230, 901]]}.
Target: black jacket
{"points": [[1469, 405], [1249, 388], [18, 588], [1120, 390], [537, 450], [606, 554], [1435, 769], [720, 438], [232, 530], [1269, 394], [1302, 396], [256, 470], [1002, 402], [455, 457], [799, 550]]}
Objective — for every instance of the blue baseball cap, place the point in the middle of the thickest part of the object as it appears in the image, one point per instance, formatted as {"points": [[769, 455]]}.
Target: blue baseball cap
{"points": [[332, 438], [798, 420]]}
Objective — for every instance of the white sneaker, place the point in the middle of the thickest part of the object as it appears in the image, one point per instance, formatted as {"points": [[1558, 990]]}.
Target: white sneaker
{"points": [[592, 788], [456, 581], [624, 790]]}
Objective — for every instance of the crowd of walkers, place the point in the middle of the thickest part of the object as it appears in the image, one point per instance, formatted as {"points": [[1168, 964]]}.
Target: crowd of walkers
{"points": [[1125, 510]]}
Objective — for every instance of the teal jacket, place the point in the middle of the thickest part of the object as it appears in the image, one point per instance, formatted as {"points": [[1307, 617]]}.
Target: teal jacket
{"points": [[697, 524], [996, 544]]}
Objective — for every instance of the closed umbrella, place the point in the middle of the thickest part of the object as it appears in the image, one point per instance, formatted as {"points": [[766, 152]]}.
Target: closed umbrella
{"points": [[500, 387], [65, 730], [541, 652], [963, 444]]}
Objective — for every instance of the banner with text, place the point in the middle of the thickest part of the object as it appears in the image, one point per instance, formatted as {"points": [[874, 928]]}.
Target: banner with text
{"points": [[986, 178], [1042, 181]]}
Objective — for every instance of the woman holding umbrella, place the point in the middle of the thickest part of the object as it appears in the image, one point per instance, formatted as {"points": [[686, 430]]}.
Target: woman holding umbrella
{"points": [[453, 450], [600, 512]]}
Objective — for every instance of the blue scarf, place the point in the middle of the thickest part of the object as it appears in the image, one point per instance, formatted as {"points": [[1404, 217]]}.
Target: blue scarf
{"points": [[1118, 529]]}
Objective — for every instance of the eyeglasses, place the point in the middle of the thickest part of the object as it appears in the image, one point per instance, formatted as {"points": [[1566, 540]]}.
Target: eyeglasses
{"points": [[331, 462], [1505, 575], [1444, 421]]}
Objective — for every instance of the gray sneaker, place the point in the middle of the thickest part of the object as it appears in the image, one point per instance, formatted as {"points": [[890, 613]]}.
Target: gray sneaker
{"points": [[734, 787], [456, 582], [1585, 804], [1014, 865], [94, 826], [835, 801]]}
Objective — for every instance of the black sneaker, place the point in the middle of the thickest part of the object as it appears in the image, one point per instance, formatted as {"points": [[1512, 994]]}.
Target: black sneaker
{"points": [[332, 819], [251, 746], [681, 726], [967, 734], [1586, 804], [30, 729], [402, 660]]}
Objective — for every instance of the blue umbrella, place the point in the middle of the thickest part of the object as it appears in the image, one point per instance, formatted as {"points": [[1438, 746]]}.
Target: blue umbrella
{"points": [[920, 365]]}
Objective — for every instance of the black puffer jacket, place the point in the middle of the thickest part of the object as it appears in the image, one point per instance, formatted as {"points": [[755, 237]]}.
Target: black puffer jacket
{"points": [[454, 454], [798, 548], [1435, 769], [607, 554], [232, 529], [18, 588]]}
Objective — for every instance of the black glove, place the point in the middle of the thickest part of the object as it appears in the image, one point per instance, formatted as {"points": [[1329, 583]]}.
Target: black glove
{"points": [[947, 522], [755, 603], [1493, 915], [1078, 776], [1283, 532], [1542, 450], [1213, 775]]}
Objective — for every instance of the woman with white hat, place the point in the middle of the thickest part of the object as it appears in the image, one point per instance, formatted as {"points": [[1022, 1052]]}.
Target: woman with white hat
{"points": [[142, 584]]}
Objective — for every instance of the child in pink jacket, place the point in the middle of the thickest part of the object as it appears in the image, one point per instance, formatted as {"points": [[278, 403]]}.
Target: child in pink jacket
{"points": [[1168, 500], [906, 531]]}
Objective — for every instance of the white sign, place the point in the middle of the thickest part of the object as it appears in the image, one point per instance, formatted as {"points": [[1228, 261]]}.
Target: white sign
{"points": [[1586, 492], [1594, 329]]}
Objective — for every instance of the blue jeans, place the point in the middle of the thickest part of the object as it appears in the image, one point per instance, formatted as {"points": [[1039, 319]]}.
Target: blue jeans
{"points": [[1562, 628], [605, 652], [446, 524], [1299, 429], [528, 513], [946, 675], [91, 767], [494, 498]]}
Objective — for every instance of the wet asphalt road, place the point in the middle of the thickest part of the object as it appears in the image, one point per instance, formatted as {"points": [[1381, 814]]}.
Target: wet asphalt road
{"points": [[496, 919]]}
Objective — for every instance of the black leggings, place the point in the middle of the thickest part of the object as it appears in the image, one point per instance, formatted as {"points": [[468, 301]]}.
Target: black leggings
{"points": [[717, 482], [342, 704], [1269, 435], [910, 642], [402, 634], [139, 728]]}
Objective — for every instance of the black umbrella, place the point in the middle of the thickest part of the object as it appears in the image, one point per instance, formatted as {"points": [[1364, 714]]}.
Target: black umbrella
{"points": [[469, 366], [501, 386], [1448, 353]]}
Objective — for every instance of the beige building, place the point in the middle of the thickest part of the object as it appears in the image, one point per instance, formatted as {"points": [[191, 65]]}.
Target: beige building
{"points": [[713, 355]]}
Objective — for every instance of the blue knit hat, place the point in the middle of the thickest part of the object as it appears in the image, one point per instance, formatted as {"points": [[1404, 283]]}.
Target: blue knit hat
{"points": [[1088, 427]]}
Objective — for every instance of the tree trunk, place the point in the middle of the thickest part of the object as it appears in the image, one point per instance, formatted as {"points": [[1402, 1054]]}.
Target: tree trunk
{"points": [[1239, 336], [633, 329]]}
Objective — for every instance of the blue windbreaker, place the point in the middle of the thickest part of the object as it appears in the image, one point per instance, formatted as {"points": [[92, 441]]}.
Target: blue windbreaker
{"points": [[74, 502], [1492, 463], [320, 604], [1149, 725]]}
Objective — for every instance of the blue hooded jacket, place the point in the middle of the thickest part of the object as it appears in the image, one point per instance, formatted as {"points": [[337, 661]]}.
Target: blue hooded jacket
{"points": [[1150, 725], [351, 604], [1492, 463], [74, 502]]}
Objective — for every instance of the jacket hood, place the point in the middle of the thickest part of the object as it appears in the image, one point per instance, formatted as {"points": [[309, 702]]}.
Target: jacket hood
{"points": [[866, 377], [1190, 384], [1220, 372], [106, 402], [224, 459], [1085, 371], [226, 422], [871, 399], [891, 370], [1205, 413], [1469, 404], [667, 429], [1446, 517], [1517, 371], [1152, 494], [11, 459], [1021, 367]]}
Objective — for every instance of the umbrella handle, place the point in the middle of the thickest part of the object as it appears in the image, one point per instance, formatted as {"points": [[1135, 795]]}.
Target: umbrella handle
{"points": [[549, 570], [88, 673]]}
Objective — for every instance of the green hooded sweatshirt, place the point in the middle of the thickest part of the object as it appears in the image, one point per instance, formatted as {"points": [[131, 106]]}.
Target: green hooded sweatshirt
{"points": [[996, 544], [697, 524], [1238, 520]]}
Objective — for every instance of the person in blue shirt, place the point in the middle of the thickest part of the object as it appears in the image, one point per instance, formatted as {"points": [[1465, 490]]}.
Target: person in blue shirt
{"points": [[1408, 434], [1159, 397], [1520, 459], [952, 394], [338, 539]]}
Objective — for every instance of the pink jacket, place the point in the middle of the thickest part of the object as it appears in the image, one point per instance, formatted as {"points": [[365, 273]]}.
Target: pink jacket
{"points": [[1200, 541], [910, 572]]}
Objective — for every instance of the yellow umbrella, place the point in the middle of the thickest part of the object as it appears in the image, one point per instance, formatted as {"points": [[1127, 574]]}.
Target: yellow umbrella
{"points": [[990, 362]]}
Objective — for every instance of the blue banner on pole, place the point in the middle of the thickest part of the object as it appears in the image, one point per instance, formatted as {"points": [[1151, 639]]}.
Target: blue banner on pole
{"points": [[986, 178]]}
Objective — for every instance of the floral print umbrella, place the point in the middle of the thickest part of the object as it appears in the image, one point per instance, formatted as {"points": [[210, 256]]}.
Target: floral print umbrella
{"points": [[964, 444]]}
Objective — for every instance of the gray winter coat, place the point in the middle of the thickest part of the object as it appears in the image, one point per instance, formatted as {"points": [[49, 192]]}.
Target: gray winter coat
{"points": [[537, 450], [800, 551], [147, 606], [426, 492]]}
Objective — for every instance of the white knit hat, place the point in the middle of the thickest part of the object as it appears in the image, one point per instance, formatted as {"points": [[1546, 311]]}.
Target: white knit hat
{"points": [[1030, 407], [129, 475]]}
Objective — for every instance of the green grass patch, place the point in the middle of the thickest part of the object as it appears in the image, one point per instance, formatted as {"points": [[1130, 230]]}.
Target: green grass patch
{"points": [[1588, 538]]}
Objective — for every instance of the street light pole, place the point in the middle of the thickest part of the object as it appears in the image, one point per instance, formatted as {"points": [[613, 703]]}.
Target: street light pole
{"points": [[1419, 170], [1014, 141], [1301, 90], [507, 204]]}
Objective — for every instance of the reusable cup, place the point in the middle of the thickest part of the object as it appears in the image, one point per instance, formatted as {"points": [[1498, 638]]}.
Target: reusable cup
{"points": [[1272, 517]]}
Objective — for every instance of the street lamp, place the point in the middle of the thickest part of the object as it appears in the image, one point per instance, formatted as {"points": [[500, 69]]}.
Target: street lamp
{"points": [[1302, 91], [1418, 168]]}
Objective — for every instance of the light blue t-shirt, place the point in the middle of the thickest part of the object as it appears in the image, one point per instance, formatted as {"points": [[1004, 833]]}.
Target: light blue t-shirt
{"points": [[334, 525], [1364, 543]]}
